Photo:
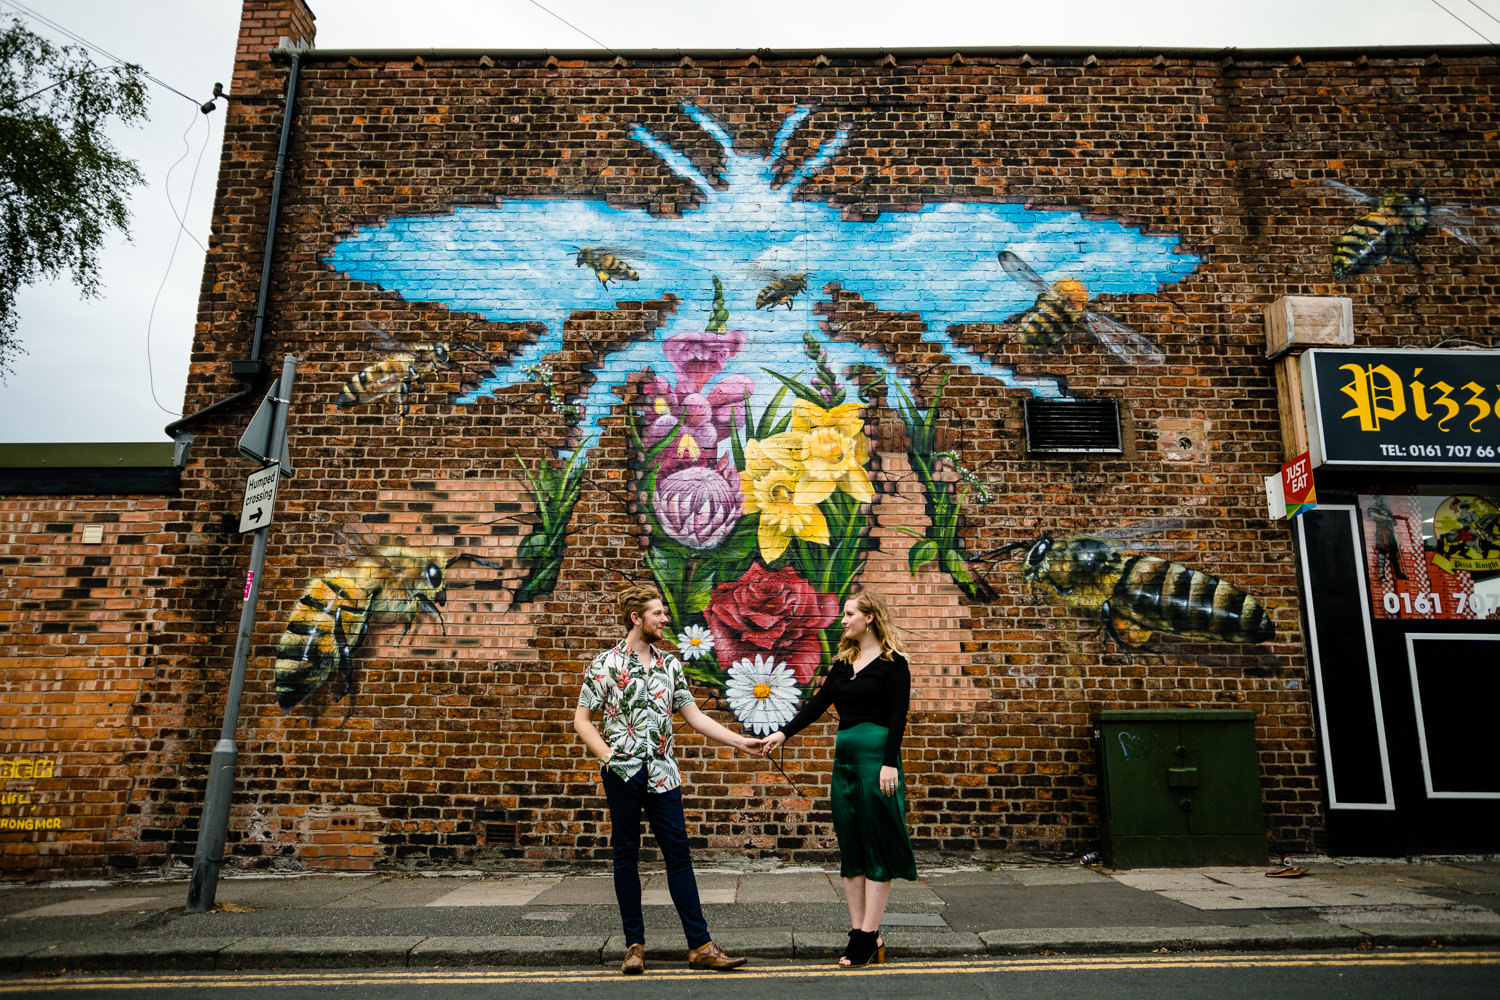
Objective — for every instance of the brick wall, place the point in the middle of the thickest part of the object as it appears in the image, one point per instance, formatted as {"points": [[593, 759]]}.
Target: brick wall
{"points": [[79, 624], [447, 733]]}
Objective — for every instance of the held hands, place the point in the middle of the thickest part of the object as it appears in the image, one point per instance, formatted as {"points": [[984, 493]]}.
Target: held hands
{"points": [[752, 746], [770, 743]]}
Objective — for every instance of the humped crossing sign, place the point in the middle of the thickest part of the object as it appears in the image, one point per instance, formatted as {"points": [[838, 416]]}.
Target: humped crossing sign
{"points": [[260, 498]]}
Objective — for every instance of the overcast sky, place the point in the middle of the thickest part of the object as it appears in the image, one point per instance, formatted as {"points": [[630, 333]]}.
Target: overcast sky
{"points": [[113, 368]]}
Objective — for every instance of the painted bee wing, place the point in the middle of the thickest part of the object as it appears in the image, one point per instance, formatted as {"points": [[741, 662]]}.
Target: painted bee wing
{"points": [[1150, 526], [1132, 345], [762, 271], [1022, 271], [1160, 546], [676, 259], [382, 339], [598, 248], [361, 539], [1455, 219], [1348, 193]]}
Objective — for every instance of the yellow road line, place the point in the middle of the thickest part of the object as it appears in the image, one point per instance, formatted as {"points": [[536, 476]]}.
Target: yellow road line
{"points": [[978, 964]]}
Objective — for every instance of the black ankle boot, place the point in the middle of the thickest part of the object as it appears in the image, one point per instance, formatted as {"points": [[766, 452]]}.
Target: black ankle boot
{"points": [[862, 947], [845, 953]]}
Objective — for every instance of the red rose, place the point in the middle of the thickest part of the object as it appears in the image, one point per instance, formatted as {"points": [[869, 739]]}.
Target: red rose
{"points": [[777, 614]]}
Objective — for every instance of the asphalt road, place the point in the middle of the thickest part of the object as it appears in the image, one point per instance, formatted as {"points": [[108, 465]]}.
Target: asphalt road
{"points": [[1454, 974]]}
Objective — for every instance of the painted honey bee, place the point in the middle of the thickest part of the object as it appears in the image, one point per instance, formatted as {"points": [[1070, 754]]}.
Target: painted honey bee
{"points": [[606, 265], [404, 369], [1062, 306], [335, 612], [1389, 230], [1137, 595], [782, 292]]}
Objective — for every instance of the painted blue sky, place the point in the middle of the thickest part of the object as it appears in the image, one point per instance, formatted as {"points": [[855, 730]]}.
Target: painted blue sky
{"points": [[515, 262]]}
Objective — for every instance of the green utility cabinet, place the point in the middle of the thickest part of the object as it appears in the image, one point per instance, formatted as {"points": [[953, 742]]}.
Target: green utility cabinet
{"points": [[1179, 787]]}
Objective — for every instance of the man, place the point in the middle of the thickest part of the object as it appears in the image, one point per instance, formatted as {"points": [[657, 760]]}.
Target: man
{"points": [[636, 688]]}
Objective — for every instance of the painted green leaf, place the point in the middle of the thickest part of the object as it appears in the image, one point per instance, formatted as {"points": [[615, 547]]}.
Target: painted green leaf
{"points": [[921, 554], [699, 592], [797, 388], [768, 416]]}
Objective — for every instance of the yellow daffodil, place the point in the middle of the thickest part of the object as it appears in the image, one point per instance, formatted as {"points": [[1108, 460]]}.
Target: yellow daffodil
{"points": [[832, 450], [770, 481]]}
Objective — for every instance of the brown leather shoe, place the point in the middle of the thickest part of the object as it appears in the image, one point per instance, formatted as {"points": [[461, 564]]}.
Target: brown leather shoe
{"points": [[635, 960], [711, 956]]}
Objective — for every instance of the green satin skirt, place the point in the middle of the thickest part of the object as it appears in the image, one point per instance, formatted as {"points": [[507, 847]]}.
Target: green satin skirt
{"points": [[871, 827]]}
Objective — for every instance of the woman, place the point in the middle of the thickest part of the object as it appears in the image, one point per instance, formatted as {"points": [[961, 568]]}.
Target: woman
{"points": [[870, 685]]}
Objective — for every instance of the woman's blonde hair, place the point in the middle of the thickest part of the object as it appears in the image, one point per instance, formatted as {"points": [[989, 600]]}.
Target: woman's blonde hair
{"points": [[872, 604]]}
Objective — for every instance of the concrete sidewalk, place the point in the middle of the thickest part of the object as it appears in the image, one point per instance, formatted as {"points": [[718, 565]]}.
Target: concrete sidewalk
{"points": [[569, 918]]}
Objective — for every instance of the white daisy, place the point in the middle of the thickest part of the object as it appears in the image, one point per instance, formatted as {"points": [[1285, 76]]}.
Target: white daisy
{"points": [[762, 694], [694, 641]]}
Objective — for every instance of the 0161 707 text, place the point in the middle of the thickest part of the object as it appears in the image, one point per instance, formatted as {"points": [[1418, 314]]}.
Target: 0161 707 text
{"points": [[1431, 603]]}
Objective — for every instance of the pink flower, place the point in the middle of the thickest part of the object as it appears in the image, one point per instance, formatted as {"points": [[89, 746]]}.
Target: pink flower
{"points": [[730, 399], [698, 507], [698, 357], [771, 613], [694, 422]]}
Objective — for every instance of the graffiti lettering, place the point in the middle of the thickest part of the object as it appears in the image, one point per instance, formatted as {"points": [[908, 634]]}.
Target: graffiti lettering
{"points": [[25, 767], [31, 823]]}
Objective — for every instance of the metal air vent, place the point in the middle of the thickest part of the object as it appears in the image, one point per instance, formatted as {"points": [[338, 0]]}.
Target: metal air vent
{"points": [[1073, 426], [501, 834]]}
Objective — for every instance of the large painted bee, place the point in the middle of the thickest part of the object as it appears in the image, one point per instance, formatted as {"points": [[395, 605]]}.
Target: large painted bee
{"points": [[1062, 306], [1388, 231], [782, 291], [606, 265], [404, 368], [1137, 595], [335, 612]]}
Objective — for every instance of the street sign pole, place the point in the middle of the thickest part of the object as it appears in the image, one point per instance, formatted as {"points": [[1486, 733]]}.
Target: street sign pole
{"points": [[214, 825]]}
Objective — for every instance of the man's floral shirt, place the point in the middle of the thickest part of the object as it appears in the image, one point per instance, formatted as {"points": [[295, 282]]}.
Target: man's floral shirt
{"points": [[637, 701]]}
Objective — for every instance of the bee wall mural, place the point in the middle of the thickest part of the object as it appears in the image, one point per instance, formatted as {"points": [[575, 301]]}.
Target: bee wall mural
{"points": [[606, 265], [337, 609], [405, 368], [752, 422], [781, 292], [499, 262], [1137, 595], [1390, 228], [1063, 306]]}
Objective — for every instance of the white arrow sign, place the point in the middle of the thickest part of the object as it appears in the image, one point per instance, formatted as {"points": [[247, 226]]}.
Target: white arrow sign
{"points": [[260, 498]]}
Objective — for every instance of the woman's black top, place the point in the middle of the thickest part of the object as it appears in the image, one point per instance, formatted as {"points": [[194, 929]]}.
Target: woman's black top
{"points": [[879, 693]]}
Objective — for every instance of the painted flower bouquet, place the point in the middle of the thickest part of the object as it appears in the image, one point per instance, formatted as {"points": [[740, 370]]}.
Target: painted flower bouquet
{"points": [[756, 525]]}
